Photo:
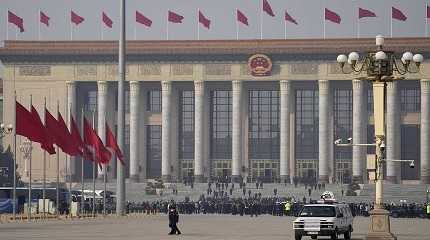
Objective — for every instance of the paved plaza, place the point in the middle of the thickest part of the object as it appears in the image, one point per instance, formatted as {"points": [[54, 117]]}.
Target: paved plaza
{"points": [[198, 227]]}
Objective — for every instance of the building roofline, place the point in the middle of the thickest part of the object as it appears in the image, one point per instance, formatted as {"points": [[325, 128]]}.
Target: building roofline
{"points": [[211, 47]]}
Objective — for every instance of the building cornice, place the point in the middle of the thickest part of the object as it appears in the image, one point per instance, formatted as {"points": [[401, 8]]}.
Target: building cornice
{"points": [[290, 46]]}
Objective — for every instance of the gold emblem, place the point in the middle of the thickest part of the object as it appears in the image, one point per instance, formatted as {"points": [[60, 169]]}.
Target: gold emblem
{"points": [[260, 65]]}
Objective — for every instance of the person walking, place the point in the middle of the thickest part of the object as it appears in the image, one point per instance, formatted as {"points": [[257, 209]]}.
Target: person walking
{"points": [[173, 220]]}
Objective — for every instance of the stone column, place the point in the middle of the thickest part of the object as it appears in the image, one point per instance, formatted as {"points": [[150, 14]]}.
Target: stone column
{"points": [[236, 163], [166, 121], [324, 121], [71, 111], [425, 131], [359, 129], [134, 131], [102, 90], [199, 95], [393, 133], [285, 101]]}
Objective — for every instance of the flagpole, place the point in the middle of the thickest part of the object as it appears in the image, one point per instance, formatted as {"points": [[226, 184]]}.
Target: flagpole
{"points": [[39, 26], [285, 29], [135, 30], [69, 165], [101, 27], [391, 24], [237, 27], [29, 174], [427, 22], [324, 23], [58, 168], [261, 20], [167, 27], [82, 165], [198, 27], [358, 29], [71, 27], [94, 170], [14, 161], [104, 190], [44, 168], [7, 24]]}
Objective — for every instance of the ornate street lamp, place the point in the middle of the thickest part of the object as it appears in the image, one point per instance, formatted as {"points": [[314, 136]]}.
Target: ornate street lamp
{"points": [[26, 148], [380, 66]]}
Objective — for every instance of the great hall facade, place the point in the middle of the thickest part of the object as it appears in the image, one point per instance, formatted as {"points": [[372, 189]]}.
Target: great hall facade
{"points": [[210, 109]]}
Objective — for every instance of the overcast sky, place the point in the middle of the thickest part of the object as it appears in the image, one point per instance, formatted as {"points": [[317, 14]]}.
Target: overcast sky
{"points": [[308, 13]]}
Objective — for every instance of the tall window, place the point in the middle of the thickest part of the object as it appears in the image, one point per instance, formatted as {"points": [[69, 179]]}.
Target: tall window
{"points": [[307, 124], [153, 146], [186, 125], [91, 101], [343, 120], [221, 116], [153, 103], [263, 124], [410, 99]]}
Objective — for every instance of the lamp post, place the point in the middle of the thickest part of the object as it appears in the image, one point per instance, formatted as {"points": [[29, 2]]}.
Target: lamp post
{"points": [[26, 148], [380, 66]]}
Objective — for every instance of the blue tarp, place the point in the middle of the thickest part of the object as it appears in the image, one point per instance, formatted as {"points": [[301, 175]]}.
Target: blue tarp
{"points": [[6, 206]]}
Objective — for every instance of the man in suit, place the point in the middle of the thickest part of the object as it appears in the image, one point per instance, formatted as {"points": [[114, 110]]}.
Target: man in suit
{"points": [[173, 220]]}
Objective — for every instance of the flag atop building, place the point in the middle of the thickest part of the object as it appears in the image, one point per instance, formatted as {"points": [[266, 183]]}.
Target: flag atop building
{"points": [[204, 20], [142, 19], [267, 8], [17, 21], [364, 13], [44, 18], [241, 17], [174, 17], [106, 20], [332, 16], [398, 14], [75, 18], [288, 18]]}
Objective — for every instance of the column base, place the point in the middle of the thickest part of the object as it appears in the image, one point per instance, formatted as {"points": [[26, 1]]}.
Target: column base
{"points": [[425, 179], [199, 179], [134, 178], [379, 228], [236, 178], [323, 179], [285, 179], [391, 179], [166, 178], [357, 179]]}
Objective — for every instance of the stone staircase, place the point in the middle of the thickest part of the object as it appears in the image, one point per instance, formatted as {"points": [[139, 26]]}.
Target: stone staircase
{"points": [[392, 192]]}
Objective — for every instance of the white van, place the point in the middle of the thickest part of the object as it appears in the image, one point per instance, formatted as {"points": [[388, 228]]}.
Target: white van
{"points": [[325, 219]]}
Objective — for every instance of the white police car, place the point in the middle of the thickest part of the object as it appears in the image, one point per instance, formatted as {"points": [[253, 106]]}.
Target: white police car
{"points": [[327, 218]]}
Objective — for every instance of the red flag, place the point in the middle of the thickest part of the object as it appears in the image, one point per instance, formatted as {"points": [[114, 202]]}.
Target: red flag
{"points": [[267, 8], [46, 141], [70, 147], [25, 125], [74, 134], [332, 16], [241, 17], [175, 18], [17, 21], [106, 20], [428, 11], [140, 18], [288, 18], [203, 20], [91, 139], [44, 18], [363, 13], [397, 14], [75, 18], [112, 143]]}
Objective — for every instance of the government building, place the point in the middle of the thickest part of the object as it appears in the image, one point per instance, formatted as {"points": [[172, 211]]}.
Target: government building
{"points": [[267, 110]]}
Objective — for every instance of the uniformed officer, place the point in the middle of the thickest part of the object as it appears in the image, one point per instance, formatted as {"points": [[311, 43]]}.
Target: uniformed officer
{"points": [[287, 208], [173, 219], [428, 210]]}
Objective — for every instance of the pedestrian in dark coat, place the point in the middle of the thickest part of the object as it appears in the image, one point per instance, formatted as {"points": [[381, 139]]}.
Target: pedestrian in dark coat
{"points": [[173, 220]]}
